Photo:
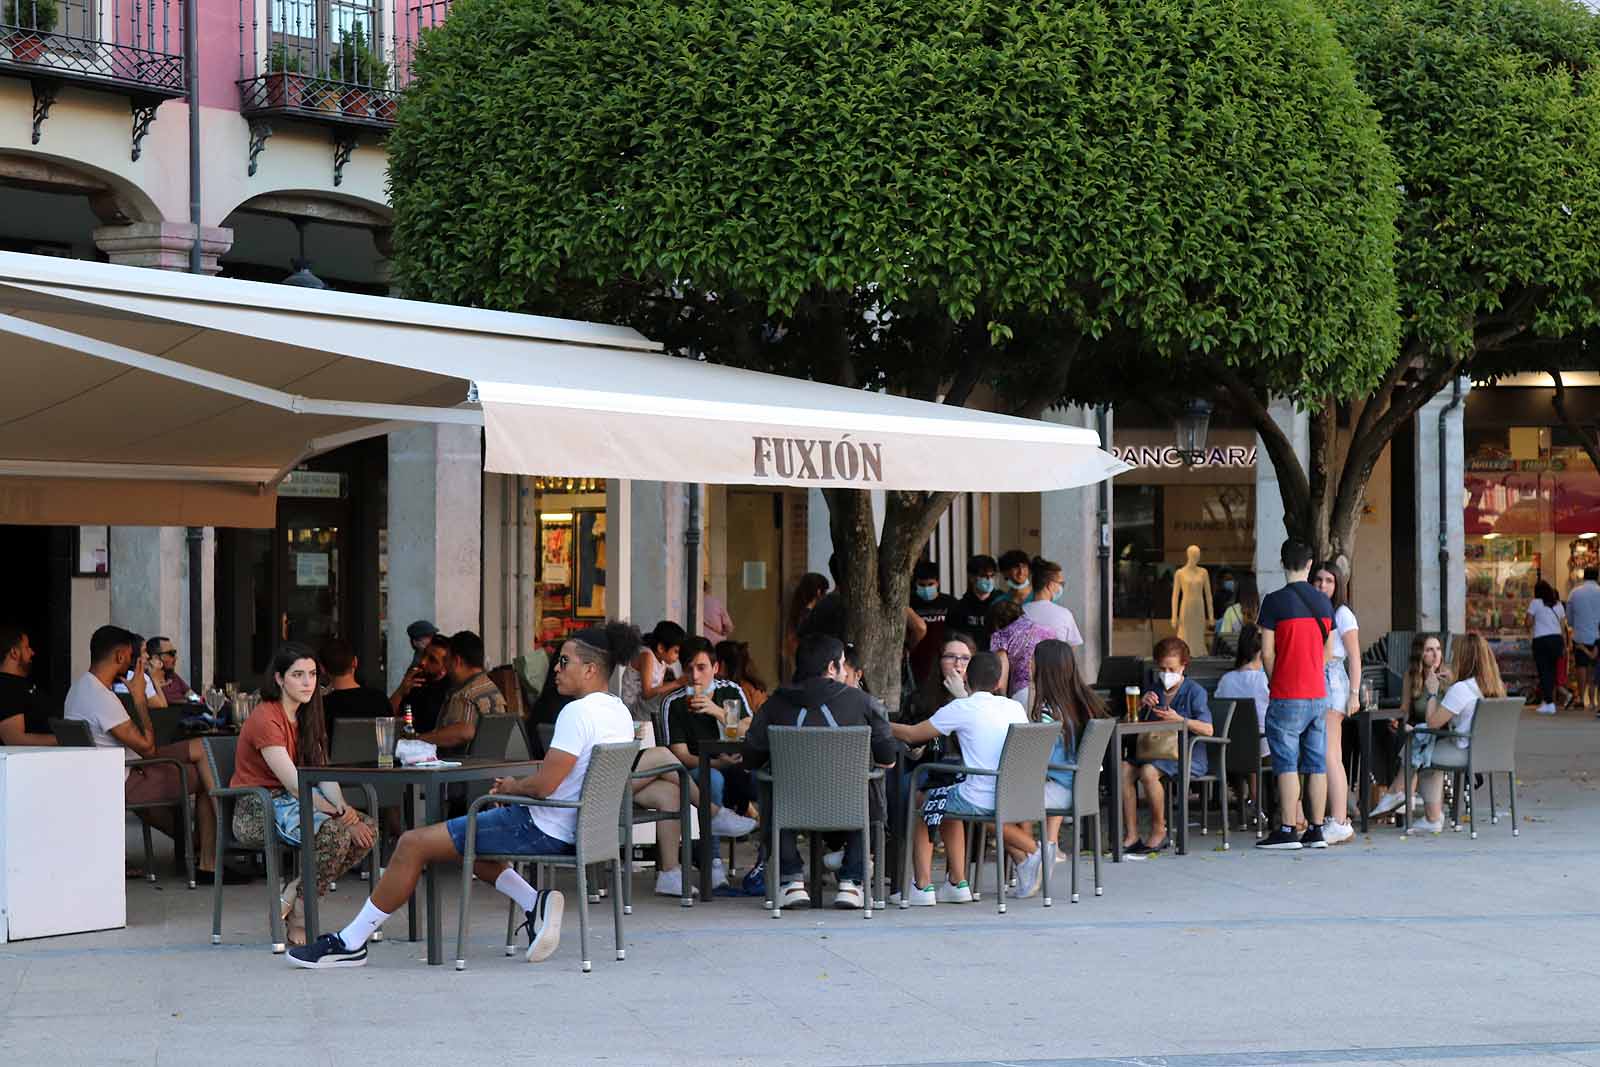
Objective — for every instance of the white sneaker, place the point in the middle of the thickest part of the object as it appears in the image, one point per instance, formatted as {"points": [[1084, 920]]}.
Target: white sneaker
{"points": [[719, 873], [848, 896], [833, 860], [1547, 709], [1337, 833], [1389, 802], [1423, 826], [960, 893], [1029, 873], [670, 883], [920, 898], [793, 895], [730, 824]]}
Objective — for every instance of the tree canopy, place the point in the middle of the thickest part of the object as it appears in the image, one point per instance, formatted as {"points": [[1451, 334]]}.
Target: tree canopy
{"points": [[925, 196]]}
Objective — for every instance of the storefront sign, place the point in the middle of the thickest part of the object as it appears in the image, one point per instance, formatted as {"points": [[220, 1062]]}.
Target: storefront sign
{"points": [[313, 485], [1168, 456], [1490, 465], [311, 570], [812, 460]]}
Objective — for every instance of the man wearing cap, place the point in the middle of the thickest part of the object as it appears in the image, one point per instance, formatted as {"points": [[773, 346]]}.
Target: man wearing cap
{"points": [[420, 633]]}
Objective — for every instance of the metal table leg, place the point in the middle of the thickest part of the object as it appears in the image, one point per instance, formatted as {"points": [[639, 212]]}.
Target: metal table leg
{"points": [[703, 778], [1364, 797], [410, 815], [1113, 774], [1183, 801], [435, 937], [308, 859]]}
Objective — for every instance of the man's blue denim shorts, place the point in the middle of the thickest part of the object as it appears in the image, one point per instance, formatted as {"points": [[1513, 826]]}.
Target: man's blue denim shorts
{"points": [[1297, 737], [506, 831]]}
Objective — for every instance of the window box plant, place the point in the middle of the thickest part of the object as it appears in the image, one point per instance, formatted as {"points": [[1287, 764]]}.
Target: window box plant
{"points": [[23, 24]]}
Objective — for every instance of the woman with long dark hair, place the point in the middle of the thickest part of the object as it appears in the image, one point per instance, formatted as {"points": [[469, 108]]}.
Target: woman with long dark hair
{"points": [[286, 731], [1058, 694], [734, 663], [1342, 675], [1547, 622]]}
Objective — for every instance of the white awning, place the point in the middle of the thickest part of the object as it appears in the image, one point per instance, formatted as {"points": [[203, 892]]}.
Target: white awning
{"points": [[122, 373]]}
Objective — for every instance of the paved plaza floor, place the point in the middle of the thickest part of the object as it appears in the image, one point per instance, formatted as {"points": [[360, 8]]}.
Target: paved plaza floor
{"points": [[1382, 951]]}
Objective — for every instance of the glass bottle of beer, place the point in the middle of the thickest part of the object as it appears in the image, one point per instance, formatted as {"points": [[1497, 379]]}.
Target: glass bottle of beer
{"points": [[408, 729]]}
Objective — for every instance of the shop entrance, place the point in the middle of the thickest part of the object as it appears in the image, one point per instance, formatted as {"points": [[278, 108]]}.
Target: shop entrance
{"points": [[755, 576]]}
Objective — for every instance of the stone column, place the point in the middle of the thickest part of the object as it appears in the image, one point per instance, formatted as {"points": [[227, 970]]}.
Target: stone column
{"points": [[1428, 466], [163, 245], [435, 533], [149, 582], [656, 553], [1270, 528], [1070, 534]]}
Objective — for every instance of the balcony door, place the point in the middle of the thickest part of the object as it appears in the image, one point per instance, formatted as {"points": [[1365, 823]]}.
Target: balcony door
{"points": [[310, 31]]}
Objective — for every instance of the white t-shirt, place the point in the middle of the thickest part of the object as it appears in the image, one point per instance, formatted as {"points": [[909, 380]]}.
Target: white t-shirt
{"points": [[1546, 620], [1247, 684], [1056, 618], [1344, 620], [89, 701], [149, 686], [979, 722], [597, 719], [1461, 700]]}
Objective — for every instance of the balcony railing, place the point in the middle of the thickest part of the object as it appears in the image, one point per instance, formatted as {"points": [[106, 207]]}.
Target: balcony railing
{"points": [[134, 45]]}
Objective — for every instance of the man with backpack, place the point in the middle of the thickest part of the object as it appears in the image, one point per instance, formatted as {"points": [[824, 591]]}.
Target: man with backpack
{"points": [[820, 698], [1297, 636]]}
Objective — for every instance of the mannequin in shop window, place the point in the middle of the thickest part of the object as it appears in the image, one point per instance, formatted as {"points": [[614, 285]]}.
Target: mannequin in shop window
{"points": [[1193, 614]]}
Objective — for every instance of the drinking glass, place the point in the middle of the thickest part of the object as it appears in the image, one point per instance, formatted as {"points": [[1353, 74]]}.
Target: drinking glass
{"points": [[1130, 700], [384, 729], [215, 698], [1369, 699], [730, 720]]}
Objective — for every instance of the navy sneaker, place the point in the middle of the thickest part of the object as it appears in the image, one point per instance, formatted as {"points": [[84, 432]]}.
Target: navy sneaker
{"points": [[755, 880], [544, 926], [327, 951]]}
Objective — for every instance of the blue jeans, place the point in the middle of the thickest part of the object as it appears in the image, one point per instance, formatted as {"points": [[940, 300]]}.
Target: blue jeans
{"points": [[792, 868], [1297, 736], [507, 831]]}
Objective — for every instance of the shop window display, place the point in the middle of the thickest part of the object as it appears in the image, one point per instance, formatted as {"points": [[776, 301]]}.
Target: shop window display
{"points": [[570, 580]]}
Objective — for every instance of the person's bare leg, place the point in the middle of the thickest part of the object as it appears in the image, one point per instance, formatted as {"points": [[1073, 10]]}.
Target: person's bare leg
{"points": [[921, 856], [1338, 782], [412, 853], [1130, 805], [1432, 787], [1155, 795], [1019, 841], [1052, 828], [1317, 795], [662, 795], [954, 832], [1288, 799]]}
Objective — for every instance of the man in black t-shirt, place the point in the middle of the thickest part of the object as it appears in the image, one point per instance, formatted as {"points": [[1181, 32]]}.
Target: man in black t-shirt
{"points": [[934, 608], [694, 715], [971, 614], [425, 686], [349, 699], [24, 714]]}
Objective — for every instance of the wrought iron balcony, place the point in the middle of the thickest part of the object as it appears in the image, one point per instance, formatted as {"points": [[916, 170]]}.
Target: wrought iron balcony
{"points": [[130, 47]]}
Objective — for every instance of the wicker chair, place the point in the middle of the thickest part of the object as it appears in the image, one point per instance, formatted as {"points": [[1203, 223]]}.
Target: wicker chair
{"points": [[819, 778], [1491, 750], [1018, 795], [598, 841], [1085, 796], [74, 733], [1215, 781]]}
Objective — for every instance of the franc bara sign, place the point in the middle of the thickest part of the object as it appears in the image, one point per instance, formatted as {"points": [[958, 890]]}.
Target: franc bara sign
{"points": [[811, 459], [1168, 456]]}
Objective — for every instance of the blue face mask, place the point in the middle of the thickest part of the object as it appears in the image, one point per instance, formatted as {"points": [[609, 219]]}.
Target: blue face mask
{"points": [[983, 586], [1229, 586], [927, 592], [1016, 584]]}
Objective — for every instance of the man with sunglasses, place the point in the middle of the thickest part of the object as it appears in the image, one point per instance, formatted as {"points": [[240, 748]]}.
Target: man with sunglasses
{"points": [[164, 670]]}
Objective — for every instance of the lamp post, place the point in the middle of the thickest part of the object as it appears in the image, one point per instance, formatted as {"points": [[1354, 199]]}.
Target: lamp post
{"points": [[1190, 427]]}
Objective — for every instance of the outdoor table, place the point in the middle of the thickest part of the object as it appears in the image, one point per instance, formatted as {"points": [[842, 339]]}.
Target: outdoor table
{"points": [[472, 769], [702, 777], [1113, 774], [1364, 720]]}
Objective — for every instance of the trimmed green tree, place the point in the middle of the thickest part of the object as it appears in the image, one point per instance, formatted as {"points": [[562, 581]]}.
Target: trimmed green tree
{"points": [[968, 202], [1492, 110]]}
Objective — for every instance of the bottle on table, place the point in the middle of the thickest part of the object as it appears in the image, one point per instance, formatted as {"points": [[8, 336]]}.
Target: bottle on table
{"points": [[408, 728]]}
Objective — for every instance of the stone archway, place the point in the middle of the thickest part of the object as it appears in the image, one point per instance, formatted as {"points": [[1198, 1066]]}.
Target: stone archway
{"points": [[267, 229]]}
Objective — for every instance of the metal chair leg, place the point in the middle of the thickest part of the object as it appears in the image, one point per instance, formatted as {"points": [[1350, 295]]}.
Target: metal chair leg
{"points": [[467, 860], [616, 906], [274, 891], [582, 872], [1047, 859], [1098, 889], [1072, 854], [999, 867], [216, 887], [1511, 784], [149, 851]]}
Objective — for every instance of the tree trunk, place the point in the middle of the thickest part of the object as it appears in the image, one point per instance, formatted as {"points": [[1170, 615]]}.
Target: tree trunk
{"points": [[1586, 436], [876, 574]]}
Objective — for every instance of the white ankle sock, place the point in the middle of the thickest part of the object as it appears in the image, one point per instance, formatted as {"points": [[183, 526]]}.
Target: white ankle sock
{"points": [[363, 926], [514, 886]]}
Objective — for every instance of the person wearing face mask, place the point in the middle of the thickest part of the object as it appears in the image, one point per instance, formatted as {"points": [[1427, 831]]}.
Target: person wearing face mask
{"points": [[1016, 583], [972, 610], [1172, 698], [934, 608], [1044, 608]]}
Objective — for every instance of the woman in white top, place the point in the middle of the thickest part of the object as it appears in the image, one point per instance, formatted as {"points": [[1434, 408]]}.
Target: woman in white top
{"points": [[1248, 679], [652, 674], [1547, 619], [1343, 676], [1480, 680], [1048, 583]]}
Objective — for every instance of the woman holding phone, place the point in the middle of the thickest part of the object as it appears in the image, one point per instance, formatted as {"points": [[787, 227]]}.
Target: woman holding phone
{"points": [[1173, 698]]}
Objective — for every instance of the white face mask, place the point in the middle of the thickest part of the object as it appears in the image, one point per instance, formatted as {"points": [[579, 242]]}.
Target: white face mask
{"points": [[1170, 679]]}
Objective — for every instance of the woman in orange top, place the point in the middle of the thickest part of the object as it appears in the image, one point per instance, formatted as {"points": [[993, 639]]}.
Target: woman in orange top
{"points": [[288, 730]]}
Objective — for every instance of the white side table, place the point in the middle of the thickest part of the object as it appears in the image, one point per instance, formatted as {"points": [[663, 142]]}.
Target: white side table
{"points": [[63, 841]]}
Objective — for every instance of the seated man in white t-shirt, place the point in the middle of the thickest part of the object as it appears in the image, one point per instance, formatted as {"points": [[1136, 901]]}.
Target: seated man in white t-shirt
{"points": [[594, 717], [113, 652], [980, 722]]}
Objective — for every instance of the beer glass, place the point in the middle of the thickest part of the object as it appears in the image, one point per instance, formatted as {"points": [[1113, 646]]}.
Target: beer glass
{"points": [[730, 720], [1130, 700], [384, 729]]}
